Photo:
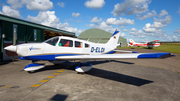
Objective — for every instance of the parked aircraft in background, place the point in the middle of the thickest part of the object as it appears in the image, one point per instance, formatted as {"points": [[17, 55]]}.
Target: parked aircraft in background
{"points": [[62, 48], [150, 44]]}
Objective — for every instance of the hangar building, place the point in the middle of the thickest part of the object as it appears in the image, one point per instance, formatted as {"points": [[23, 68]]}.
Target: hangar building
{"points": [[99, 36], [15, 31]]}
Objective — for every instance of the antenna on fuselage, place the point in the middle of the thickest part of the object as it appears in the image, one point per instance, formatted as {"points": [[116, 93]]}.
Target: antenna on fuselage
{"points": [[99, 40], [88, 38]]}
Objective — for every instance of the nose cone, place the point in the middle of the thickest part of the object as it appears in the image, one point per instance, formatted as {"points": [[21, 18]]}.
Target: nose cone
{"points": [[11, 48]]}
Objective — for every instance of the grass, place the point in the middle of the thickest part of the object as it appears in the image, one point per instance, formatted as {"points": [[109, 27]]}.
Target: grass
{"points": [[166, 48], [169, 48]]}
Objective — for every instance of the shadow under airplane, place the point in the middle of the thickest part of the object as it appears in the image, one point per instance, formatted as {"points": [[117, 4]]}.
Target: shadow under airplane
{"points": [[59, 97], [101, 73]]}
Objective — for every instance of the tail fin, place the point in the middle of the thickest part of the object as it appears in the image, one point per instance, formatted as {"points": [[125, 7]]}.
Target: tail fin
{"points": [[114, 39], [132, 41]]}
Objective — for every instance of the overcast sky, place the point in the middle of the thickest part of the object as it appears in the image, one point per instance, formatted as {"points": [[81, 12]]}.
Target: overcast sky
{"points": [[140, 20]]}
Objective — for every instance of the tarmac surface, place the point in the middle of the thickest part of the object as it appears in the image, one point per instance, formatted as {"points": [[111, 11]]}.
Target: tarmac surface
{"points": [[115, 80]]}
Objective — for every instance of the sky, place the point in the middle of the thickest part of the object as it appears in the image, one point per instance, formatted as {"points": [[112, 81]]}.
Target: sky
{"points": [[140, 20]]}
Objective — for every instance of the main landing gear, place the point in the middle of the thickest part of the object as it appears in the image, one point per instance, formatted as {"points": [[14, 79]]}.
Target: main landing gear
{"points": [[34, 66], [83, 67]]}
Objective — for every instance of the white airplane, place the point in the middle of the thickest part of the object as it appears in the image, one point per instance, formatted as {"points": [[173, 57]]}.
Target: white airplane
{"points": [[150, 44], [62, 48]]}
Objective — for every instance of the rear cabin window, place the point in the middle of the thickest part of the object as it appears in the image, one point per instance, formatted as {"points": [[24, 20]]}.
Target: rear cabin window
{"points": [[65, 43], [86, 45], [78, 44], [52, 41]]}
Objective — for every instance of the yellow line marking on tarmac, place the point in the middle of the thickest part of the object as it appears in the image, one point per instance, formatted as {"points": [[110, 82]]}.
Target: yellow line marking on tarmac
{"points": [[7, 86], [60, 71], [50, 77], [56, 73], [36, 85], [44, 81], [77, 60]]}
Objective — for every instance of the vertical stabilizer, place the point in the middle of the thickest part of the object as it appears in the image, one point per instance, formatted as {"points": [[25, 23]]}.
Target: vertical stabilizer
{"points": [[132, 41], [113, 40]]}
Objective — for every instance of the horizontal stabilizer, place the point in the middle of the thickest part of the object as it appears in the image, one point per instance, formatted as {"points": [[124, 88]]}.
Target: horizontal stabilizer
{"points": [[114, 56]]}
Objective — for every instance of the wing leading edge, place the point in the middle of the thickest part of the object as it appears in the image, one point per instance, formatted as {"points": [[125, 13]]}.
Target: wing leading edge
{"points": [[115, 56]]}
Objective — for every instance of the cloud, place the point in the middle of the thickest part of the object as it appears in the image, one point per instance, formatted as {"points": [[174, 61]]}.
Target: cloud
{"points": [[122, 34], [149, 29], [121, 21], [177, 31], [178, 10], [130, 7], [39, 18], [166, 20], [133, 30], [121, 27], [136, 33], [68, 20], [176, 37], [155, 31], [163, 13], [148, 15], [61, 4], [75, 14], [125, 30], [39, 5], [91, 25], [48, 18], [31, 4], [94, 4], [105, 27], [157, 25], [10, 12], [15, 3], [96, 20]]}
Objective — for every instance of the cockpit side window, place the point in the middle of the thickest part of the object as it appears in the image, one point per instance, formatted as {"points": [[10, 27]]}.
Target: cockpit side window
{"points": [[52, 41], [66, 43]]}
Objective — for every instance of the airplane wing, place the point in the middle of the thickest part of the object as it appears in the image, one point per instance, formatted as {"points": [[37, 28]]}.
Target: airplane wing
{"points": [[153, 41], [115, 56], [125, 51]]}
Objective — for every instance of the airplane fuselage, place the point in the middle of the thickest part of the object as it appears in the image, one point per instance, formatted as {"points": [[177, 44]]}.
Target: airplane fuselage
{"points": [[60, 46], [147, 44]]}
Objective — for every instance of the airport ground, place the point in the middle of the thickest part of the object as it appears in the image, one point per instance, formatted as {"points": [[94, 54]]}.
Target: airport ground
{"points": [[115, 80]]}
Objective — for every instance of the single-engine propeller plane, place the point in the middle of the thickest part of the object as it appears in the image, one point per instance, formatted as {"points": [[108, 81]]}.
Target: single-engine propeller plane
{"points": [[150, 44], [62, 48]]}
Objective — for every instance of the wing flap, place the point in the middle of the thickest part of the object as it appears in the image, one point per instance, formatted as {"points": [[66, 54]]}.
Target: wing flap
{"points": [[113, 56], [125, 51]]}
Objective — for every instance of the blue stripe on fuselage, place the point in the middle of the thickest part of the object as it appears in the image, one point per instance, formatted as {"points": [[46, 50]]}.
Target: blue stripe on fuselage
{"points": [[45, 57]]}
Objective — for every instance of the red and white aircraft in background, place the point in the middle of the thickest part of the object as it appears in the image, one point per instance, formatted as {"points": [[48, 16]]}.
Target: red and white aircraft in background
{"points": [[150, 44]]}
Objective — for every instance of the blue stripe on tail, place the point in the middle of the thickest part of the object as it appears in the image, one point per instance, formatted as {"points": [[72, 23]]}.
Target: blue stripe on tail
{"points": [[115, 33]]}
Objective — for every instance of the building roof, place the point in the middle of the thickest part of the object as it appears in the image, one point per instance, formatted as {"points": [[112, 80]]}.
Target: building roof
{"points": [[20, 21], [96, 35]]}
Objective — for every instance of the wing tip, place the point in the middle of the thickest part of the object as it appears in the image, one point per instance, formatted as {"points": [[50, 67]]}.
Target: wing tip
{"points": [[156, 55]]}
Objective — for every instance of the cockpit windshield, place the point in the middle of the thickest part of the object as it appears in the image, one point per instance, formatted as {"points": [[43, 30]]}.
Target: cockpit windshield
{"points": [[52, 41]]}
